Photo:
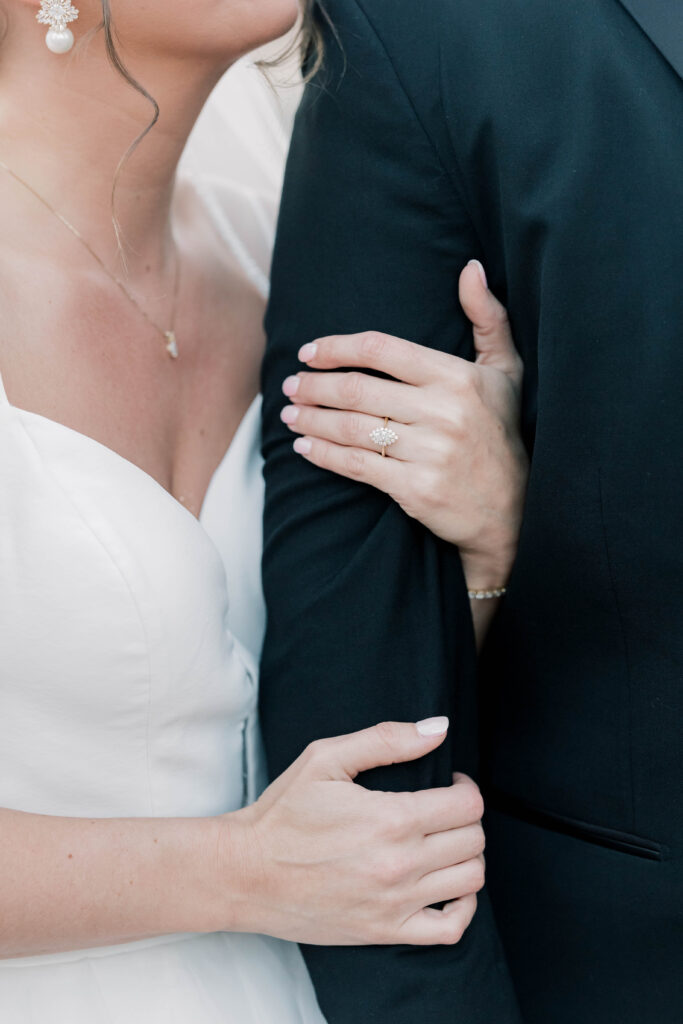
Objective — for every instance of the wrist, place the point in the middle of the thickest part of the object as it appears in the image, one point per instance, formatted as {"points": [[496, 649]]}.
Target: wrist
{"points": [[226, 870], [487, 570], [489, 555], [237, 872]]}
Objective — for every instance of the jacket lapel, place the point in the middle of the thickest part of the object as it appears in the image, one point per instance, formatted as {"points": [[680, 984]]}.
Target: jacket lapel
{"points": [[662, 21]]}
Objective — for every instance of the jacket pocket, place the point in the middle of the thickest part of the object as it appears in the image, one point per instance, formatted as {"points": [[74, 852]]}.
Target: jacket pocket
{"points": [[612, 839]]}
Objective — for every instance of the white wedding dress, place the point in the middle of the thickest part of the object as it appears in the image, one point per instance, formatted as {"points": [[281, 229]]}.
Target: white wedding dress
{"points": [[129, 641]]}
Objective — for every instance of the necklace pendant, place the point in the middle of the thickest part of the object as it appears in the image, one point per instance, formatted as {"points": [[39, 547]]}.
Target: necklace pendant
{"points": [[171, 344]]}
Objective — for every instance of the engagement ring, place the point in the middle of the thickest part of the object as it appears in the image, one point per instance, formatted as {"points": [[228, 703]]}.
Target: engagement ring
{"points": [[384, 436]]}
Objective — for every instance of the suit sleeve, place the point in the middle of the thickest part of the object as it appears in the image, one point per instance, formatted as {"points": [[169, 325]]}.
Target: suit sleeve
{"points": [[368, 617]]}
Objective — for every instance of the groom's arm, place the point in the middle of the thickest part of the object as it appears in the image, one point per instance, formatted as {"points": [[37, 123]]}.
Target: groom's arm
{"points": [[368, 613]]}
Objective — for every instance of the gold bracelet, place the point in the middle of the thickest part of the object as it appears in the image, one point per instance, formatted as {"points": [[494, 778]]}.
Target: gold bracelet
{"points": [[486, 595]]}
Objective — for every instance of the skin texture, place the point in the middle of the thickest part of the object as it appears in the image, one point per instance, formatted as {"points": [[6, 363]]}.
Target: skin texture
{"points": [[82, 355], [459, 465], [84, 341], [317, 859]]}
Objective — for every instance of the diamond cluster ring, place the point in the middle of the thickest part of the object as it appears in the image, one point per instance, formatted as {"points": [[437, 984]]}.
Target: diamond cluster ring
{"points": [[384, 436]]}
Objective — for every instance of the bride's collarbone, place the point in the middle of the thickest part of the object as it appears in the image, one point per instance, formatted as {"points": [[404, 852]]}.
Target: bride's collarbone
{"points": [[81, 357]]}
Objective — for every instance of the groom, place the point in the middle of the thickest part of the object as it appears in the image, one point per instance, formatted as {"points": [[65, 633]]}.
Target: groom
{"points": [[546, 139]]}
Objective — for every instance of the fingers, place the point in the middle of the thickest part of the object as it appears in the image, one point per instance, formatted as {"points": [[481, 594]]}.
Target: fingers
{"points": [[401, 359], [356, 392], [444, 849], [350, 429], [387, 743], [357, 464], [445, 927], [493, 339], [440, 810], [453, 883]]}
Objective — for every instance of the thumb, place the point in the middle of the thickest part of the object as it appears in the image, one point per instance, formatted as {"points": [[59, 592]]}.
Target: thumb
{"points": [[493, 339], [387, 743]]}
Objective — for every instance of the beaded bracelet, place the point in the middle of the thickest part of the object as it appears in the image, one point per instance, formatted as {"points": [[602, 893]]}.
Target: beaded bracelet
{"points": [[486, 595]]}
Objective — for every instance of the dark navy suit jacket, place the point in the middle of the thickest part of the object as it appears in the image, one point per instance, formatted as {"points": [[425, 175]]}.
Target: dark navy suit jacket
{"points": [[546, 138]]}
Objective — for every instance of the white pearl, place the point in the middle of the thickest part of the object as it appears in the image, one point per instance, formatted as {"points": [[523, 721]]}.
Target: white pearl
{"points": [[59, 42]]}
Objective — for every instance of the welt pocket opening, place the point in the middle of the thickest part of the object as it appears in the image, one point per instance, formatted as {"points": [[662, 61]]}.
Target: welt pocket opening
{"points": [[609, 838]]}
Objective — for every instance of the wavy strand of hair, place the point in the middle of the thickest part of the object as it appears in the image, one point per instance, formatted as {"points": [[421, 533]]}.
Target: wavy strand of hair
{"points": [[107, 27]]}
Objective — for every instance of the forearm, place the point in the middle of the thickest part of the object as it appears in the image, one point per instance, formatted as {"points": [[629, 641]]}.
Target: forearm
{"points": [[69, 883]]}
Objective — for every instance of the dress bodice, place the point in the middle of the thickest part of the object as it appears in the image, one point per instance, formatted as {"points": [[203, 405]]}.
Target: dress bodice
{"points": [[125, 692]]}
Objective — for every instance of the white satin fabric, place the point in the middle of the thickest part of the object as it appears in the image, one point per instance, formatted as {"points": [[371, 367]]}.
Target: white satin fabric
{"points": [[243, 133], [129, 641]]}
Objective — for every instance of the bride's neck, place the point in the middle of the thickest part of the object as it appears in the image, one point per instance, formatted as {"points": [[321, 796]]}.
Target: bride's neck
{"points": [[65, 125]]}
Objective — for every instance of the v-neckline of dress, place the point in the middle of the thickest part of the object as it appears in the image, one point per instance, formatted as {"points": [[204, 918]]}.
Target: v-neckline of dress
{"points": [[143, 474]]}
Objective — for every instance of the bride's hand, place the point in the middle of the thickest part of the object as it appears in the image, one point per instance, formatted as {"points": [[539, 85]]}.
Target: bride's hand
{"points": [[330, 863], [458, 464]]}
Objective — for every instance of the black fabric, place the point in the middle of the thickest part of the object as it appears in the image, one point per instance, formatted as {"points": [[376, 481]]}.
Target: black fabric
{"points": [[546, 139], [661, 21]]}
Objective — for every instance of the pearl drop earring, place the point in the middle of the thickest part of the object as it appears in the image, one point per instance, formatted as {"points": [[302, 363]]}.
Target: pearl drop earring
{"points": [[57, 14]]}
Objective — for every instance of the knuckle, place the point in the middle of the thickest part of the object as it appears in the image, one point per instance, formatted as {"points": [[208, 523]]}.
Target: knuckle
{"points": [[428, 487], [394, 868], [462, 376], [479, 839], [458, 922], [349, 427], [454, 931], [304, 420], [476, 875], [352, 389], [388, 733], [500, 315], [354, 463], [445, 447], [455, 427], [372, 344], [324, 453], [496, 320], [314, 752], [472, 802], [395, 821]]}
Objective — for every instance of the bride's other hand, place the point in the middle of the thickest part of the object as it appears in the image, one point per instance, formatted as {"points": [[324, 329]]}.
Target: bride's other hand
{"points": [[458, 464], [331, 863], [317, 859]]}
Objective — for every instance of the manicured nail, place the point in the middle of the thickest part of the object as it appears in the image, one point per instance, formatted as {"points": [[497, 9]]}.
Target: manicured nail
{"points": [[291, 386], [302, 446], [308, 352], [433, 727], [290, 414], [482, 272]]}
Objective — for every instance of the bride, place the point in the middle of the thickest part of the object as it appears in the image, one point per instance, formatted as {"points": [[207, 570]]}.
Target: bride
{"points": [[141, 870]]}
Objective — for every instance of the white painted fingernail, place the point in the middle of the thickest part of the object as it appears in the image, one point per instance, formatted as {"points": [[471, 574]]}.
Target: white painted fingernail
{"points": [[290, 414], [308, 352], [433, 726], [482, 272], [302, 446]]}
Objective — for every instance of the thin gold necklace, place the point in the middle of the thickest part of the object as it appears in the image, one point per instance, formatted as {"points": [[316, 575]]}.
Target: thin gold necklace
{"points": [[169, 336]]}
